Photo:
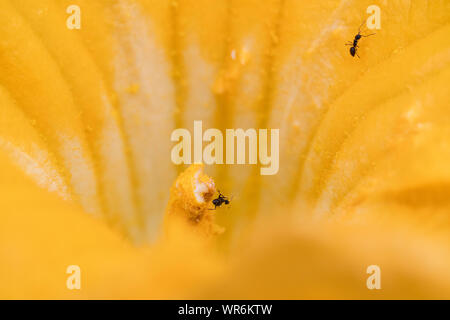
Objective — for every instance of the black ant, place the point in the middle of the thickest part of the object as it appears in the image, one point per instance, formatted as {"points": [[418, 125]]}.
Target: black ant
{"points": [[221, 199], [354, 44]]}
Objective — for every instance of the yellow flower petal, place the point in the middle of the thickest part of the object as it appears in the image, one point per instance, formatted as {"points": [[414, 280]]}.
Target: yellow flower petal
{"points": [[86, 177]]}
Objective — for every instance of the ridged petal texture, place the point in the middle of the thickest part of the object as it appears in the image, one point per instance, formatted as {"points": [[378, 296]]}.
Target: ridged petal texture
{"points": [[86, 174]]}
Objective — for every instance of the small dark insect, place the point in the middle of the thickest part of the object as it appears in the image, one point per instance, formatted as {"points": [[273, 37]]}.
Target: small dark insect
{"points": [[221, 199], [354, 44]]}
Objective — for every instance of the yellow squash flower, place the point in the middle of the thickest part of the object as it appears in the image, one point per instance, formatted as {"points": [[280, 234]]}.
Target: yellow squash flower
{"points": [[86, 177]]}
